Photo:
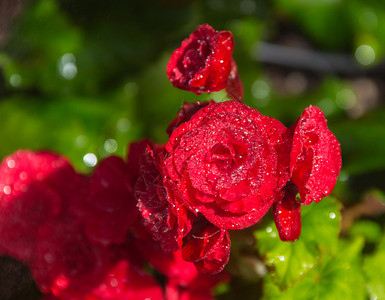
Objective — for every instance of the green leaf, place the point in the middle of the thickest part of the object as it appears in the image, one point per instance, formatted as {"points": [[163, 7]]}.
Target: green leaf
{"points": [[336, 278], [370, 230], [290, 262], [375, 273]]}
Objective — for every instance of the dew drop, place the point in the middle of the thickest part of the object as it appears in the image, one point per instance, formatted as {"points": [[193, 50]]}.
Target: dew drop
{"points": [[23, 175], [11, 163], [114, 282], [110, 145], [90, 159], [7, 190], [49, 258], [311, 139]]}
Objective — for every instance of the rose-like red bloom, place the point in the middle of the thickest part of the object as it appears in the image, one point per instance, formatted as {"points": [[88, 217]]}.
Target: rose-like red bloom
{"points": [[203, 63], [315, 162], [224, 163], [33, 189], [109, 207]]}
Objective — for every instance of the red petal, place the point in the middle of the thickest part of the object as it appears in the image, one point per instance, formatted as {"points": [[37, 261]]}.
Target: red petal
{"points": [[33, 189], [110, 206], [209, 249], [65, 263], [185, 114], [124, 281], [315, 158], [287, 214], [234, 87], [217, 259], [166, 220]]}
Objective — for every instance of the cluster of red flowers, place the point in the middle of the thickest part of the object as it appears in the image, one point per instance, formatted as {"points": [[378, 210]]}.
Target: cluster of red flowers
{"points": [[82, 236], [170, 206]]}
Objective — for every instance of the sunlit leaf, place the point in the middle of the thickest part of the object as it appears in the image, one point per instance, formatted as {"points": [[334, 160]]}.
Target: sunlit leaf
{"points": [[290, 262]]}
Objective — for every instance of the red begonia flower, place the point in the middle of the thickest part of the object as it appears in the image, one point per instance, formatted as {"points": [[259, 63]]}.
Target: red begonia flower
{"points": [[315, 162], [65, 263], [165, 219], [287, 213], [33, 189], [109, 208], [203, 63], [224, 163], [315, 158], [208, 248]]}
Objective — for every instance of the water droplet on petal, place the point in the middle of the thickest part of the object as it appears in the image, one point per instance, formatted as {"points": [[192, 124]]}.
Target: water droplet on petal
{"points": [[7, 190], [114, 282], [23, 175], [11, 163]]}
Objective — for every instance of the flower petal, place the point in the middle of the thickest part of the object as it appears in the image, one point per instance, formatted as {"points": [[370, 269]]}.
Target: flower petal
{"points": [[287, 214], [315, 158]]}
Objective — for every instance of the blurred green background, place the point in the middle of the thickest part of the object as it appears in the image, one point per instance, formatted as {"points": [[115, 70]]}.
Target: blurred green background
{"points": [[84, 78]]}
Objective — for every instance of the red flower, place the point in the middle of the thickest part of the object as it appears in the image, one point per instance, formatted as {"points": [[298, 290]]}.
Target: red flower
{"points": [[203, 63], [108, 209], [33, 190], [315, 162], [224, 164]]}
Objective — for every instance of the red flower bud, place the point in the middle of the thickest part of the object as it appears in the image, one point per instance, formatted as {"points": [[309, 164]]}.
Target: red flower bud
{"points": [[287, 213], [203, 63]]}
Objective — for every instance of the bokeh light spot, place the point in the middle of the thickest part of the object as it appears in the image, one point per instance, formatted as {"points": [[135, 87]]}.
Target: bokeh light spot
{"points": [[90, 160], [110, 145], [365, 55]]}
